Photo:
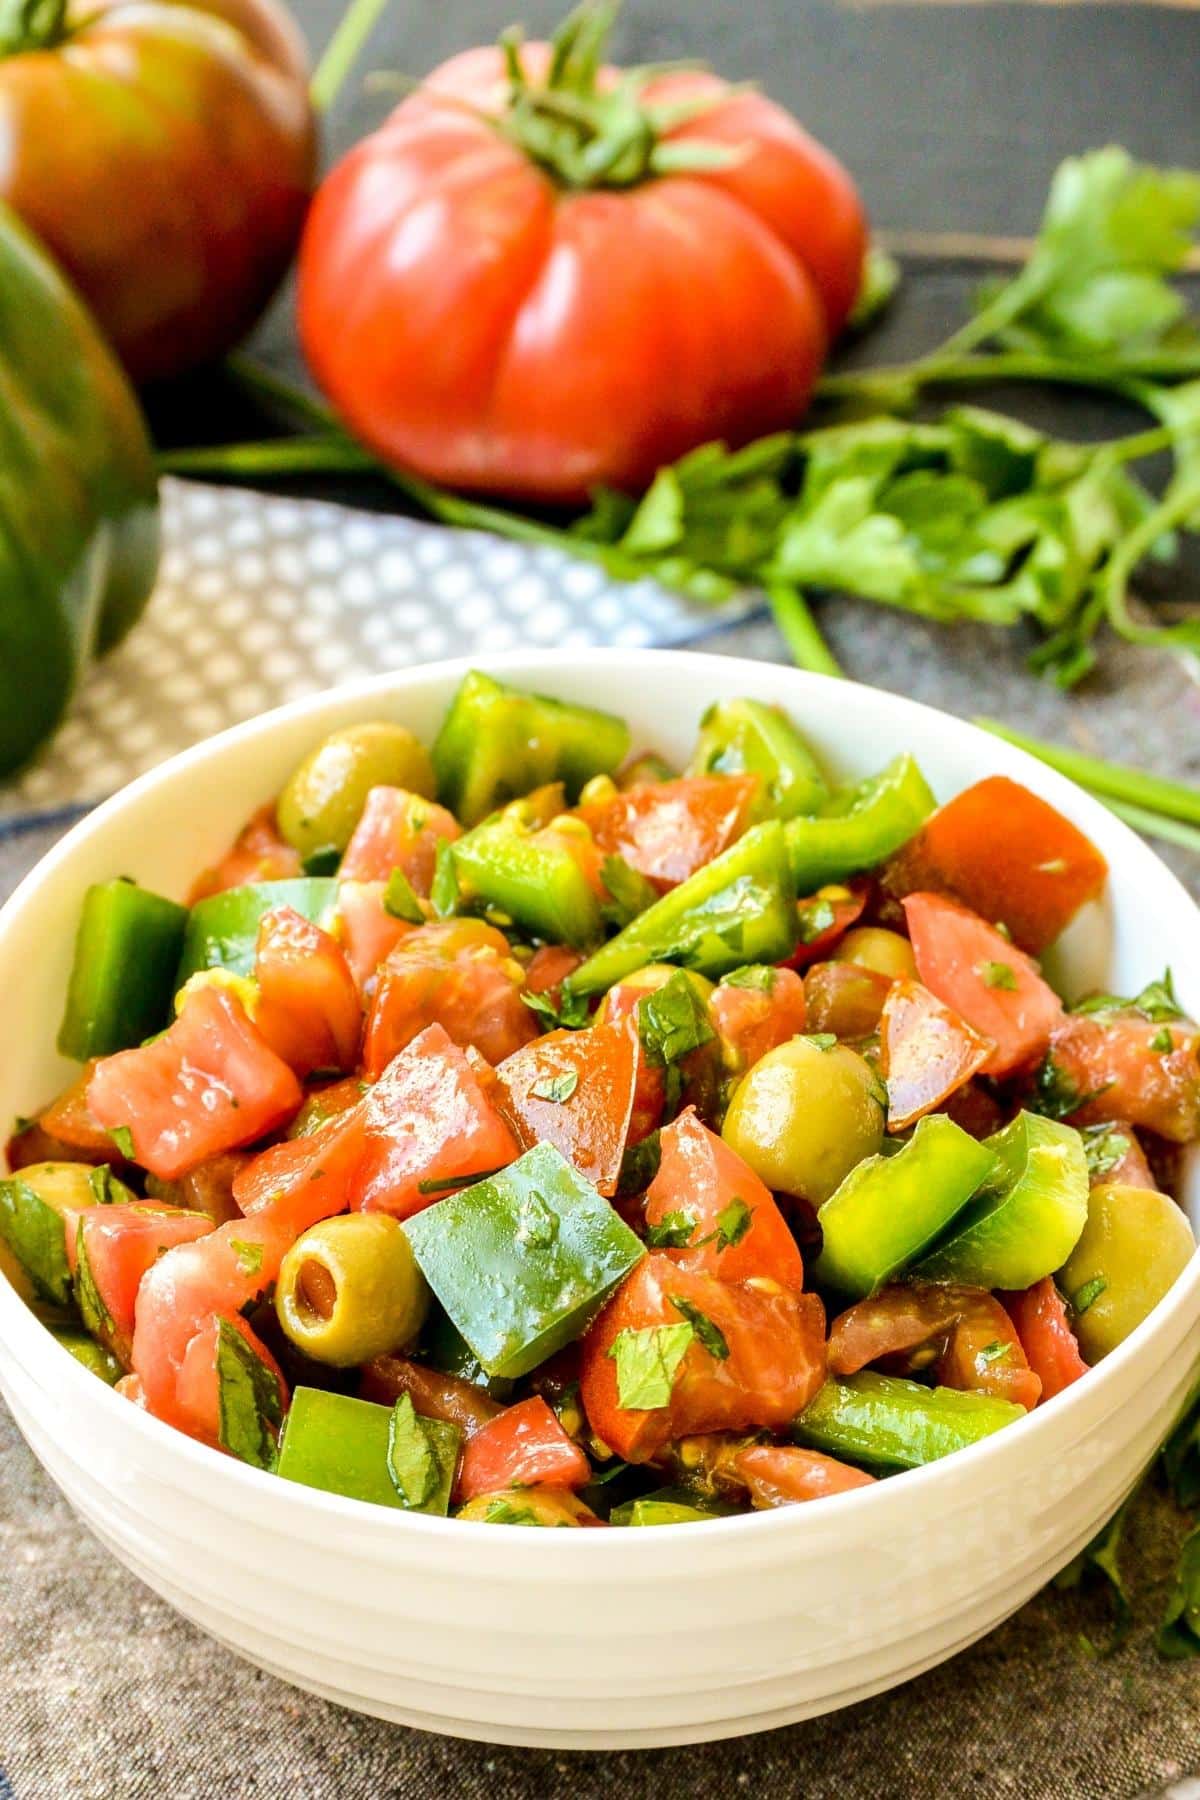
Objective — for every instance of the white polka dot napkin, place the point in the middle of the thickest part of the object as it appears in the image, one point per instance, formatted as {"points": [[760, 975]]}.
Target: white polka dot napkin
{"points": [[262, 599]]}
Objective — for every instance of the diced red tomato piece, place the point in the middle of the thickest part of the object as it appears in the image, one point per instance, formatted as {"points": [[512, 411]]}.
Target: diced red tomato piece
{"points": [[844, 998], [1121, 1068], [575, 1090], [197, 1406], [825, 918], [434, 1395], [667, 830], [211, 1082], [258, 853], [775, 1340], [739, 1232], [524, 1447], [975, 1109], [308, 1006], [1040, 1319], [316, 1173], [367, 931], [926, 1052], [752, 1020], [782, 1474], [215, 1277], [428, 1125], [120, 1244], [327, 1101], [459, 974], [991, 984], [208, 1188], [398, 830], [1006, 854], [548, 968], [68, 1120], [963, 1332]]}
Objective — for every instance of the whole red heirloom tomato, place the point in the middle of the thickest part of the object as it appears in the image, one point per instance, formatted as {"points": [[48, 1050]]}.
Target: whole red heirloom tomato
{"points": [[164, 151], [542, 274]]}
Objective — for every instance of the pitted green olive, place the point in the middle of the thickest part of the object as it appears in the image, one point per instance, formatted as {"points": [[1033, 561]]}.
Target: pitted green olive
{"points": [[1134, 1245], [350, 1289], [804, 1115], [884, 952], [323, 800]]}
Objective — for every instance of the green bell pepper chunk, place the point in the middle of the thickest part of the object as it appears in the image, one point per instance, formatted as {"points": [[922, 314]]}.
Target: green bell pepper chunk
{"points": [[78, 495], [898, 1424], [860, 827], [33, 1225], [539, 885], [1026, 1218], [222, 931], [524, 1260], [444, 1347], [339, 1444], [496, 743], [889, 1208], [740, 908], [87, 1351], [746, 737], [669, 1506], [123, 977]]}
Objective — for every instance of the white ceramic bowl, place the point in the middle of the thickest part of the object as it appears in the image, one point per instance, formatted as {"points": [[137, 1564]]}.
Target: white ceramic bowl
{"points": [[588, 1639]]}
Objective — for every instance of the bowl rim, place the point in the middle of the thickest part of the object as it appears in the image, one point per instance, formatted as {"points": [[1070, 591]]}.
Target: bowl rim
{"points": [[19, 1326]]}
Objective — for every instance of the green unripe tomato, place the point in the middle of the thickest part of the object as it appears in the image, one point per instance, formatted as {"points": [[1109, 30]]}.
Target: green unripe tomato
{"points": [[804, 1116], [1134, 1245], [324, 797], [350, 1289], [884, 952]]}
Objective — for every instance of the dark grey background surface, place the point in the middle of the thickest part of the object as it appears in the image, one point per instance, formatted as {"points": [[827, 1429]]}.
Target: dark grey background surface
{"points": [[952, 117]]}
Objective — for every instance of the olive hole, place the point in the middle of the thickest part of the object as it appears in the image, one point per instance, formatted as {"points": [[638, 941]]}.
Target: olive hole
{"points": [[316, 1290]]}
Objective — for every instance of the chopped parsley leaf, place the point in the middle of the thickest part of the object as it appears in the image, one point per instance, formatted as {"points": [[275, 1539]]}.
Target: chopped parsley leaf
{"points": [[444, 892], [249, 1405], [672, 1232], [647, 1364], [815, 918], [709, 1335], [1162, 1041], [412, 1466], [122, 1137], [557, 1088], [1104, 1146], [733, 1222], [628, 891], [824, 1040], [400, 899], [571, 1013], [1156, 1002], [995, 1352], [249, 1256], [1086, 1296], [758, 976], [672, 1021], [998, 975], [503, 1512]]}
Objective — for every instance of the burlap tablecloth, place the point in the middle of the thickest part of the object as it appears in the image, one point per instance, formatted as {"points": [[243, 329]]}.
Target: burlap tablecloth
{"points": [[105, 1694]]}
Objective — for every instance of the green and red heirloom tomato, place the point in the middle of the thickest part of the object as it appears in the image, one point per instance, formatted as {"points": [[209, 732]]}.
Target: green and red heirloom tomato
{"points": [[164, 154], [78, 493], [563, 275], [515, 1139]]}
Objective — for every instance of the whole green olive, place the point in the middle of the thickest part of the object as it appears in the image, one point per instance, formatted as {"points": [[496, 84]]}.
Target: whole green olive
{"points": [[884, 952], [1134, 1245], [804, 1115], [350, 1289], [324, 797]]}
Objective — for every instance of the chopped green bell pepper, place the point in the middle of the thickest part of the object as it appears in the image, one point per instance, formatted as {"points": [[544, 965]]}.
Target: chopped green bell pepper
{"points": [[32, 1221], [78, 495], [1026, 1218], [668, 1506], [444, 1347], [860, 827], [746, 737], [889, 1208], [496, 743], [87, 1351], [222, 931], [334, 1442], [539, 885], [123, 977], [522, 1261], [898, 1424], [740, 908]]}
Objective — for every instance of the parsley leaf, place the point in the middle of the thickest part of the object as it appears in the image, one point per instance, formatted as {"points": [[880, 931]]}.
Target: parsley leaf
{"points": [[1102, 1557], [444, 892], [758, 976], [249, 1404], [639, 1166], [672, 1232], [822, 1040], [647, 1363], [412, 1465], [815, 917], [249, 1256], [122, 1137], [571, 1013], [998, 975], [1179, 1634], [1162, 1041], [558, 1087], [1105, 1146], [1181, 1456], [1088, 1294], [503, 1512], [672, 1021], [1056, 1094], [709, 1335], [92, 1309], [1156, 1003], [733, 1222], [400, 899], [995, 1352], [629, 892]]}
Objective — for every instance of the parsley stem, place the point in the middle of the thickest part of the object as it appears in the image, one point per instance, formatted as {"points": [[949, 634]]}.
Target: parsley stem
{"points": [[1115, 375], [278, 391], [1151, 794], [343, 51], [799, 630], [274, 456], [1178, 507], [1152, 824]]}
